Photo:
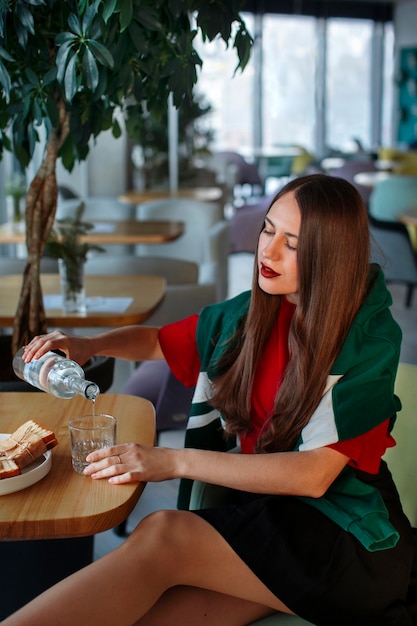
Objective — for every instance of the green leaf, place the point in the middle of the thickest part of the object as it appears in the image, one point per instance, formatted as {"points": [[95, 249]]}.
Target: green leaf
{"points": [[108, 9], [126, 13], [5, 55], [148, 17], [50, 76], [32, 78], [62, 59], [70, 79], [88, 18], [5, 81], [116, 130], [74, 24], [90, 69], [25, 17], [62, 38], [37, 112], [243, 44], [101, 53]]}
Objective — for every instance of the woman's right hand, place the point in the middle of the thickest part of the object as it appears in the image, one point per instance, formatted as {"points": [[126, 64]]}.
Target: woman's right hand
{"points": [[75, 348]]}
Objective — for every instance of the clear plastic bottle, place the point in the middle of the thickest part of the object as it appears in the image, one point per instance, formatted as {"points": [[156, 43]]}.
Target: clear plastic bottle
{"points": [[55, 374]]}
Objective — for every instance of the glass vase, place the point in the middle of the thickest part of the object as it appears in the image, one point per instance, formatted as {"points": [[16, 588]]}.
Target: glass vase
{"points": [[72, 285]]}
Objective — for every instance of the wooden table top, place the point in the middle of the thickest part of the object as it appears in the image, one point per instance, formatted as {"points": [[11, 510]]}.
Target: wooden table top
{"points": [[114, 232], [202, 194], [147, 292], [64, 503]]}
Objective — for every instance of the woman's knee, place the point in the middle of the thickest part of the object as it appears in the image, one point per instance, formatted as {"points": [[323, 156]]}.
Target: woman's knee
{"points": [[165, 528]]}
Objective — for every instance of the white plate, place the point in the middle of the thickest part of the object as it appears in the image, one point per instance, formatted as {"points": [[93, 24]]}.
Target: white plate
{"points": [[30, 475]]}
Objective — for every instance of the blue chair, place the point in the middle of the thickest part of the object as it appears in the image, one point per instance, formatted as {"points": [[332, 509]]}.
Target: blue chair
{"points": [[389, 199], [392, 197]]}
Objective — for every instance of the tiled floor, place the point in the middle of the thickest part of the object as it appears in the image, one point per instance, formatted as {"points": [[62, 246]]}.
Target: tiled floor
{"points": [[163, 495]]}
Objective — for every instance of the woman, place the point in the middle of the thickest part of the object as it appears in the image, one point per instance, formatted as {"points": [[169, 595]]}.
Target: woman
{"points": [[302, 372]]}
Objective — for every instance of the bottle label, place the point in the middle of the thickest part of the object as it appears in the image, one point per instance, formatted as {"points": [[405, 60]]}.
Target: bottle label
{"points": [[44, 371]]}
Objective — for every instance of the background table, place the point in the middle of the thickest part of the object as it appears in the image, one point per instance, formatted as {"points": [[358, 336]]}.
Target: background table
{"points": [[370, 179], [110, 232], [146, 291], [201, 194], [46, 530]]}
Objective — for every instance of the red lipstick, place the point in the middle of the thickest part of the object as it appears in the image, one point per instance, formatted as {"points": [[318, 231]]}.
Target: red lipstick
{"points": [[266, 272]]}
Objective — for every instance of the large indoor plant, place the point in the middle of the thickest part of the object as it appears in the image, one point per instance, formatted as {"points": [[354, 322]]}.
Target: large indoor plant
{"points": [[69, 68]]}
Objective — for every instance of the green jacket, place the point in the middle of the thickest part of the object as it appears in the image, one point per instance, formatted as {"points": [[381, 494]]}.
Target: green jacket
{"points": [[359, 396]]}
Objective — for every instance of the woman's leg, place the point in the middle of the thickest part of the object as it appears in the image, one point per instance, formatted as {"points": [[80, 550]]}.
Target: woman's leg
{"points": [[191, 606], [167, 549]]}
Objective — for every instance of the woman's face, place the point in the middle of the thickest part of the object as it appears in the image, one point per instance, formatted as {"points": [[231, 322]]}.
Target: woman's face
{"points": [[277, 249]]}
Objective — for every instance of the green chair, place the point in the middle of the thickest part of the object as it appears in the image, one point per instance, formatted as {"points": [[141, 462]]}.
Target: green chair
{"points": [[402, 461]]}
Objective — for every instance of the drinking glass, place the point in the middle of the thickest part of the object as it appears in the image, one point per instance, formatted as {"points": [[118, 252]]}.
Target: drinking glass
{"points": [[88, 433]]}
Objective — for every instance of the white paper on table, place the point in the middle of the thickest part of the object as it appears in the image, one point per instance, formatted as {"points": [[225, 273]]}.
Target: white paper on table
{"points": [[98, 304]]}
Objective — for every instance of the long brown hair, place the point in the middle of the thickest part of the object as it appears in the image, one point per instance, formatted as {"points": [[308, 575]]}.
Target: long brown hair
{"points": [[333, 267]]}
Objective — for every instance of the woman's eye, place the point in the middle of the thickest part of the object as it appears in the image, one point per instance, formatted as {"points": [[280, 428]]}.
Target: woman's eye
{"points": [[267, 231], [290, 247]]}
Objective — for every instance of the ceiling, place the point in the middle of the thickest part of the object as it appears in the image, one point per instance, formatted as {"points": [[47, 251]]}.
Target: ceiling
{"points": [[380, 10]]}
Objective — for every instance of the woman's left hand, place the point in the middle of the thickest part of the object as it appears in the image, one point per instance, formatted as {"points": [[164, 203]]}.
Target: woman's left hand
{"points": [[131, 462]]}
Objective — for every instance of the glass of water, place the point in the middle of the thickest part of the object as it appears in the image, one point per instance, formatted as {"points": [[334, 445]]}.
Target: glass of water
{"points": [[88, 433]]}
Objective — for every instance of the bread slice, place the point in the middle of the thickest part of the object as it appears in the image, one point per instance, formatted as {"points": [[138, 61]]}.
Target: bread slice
{"points": [[32, 428], [8, 468], [29, 442]]}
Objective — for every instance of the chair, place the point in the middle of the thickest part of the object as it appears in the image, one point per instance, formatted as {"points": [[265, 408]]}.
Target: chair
{"points": [[246, 224], [205, 240], [13, 265], [237, 173], [391, 247], [98, 209], [389, 199], [302, 161], [402, 461], [392, 197], [184, 296], [349, 169]]}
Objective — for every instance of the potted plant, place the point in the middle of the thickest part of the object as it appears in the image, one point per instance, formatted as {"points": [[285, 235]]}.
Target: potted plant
{"points": [[65, 244], [69, 68]]}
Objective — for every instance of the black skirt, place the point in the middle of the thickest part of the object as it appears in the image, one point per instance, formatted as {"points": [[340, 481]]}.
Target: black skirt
{"points": [[321, 572]]}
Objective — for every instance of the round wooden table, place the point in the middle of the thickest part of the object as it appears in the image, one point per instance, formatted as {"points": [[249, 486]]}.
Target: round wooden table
{"points": [[47, 530], [144, 293]]}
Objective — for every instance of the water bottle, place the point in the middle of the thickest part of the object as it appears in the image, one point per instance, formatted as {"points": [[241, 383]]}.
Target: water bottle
{"points": [[55, 374]]}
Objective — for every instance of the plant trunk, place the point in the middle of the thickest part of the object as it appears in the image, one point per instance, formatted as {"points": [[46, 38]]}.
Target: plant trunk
{"points": [[41, 202]]}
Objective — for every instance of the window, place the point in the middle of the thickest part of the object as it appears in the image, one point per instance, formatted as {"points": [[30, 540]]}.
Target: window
{"points": [[288, 107], [284, 93], [348, 83], [229, 94]]}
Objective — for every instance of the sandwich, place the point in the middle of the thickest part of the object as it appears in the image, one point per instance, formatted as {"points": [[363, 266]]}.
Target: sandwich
{"points": [[27, 444]]}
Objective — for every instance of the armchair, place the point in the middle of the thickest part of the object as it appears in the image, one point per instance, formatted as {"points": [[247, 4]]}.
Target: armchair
{"points": [[402, 462], [205, 240]]}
